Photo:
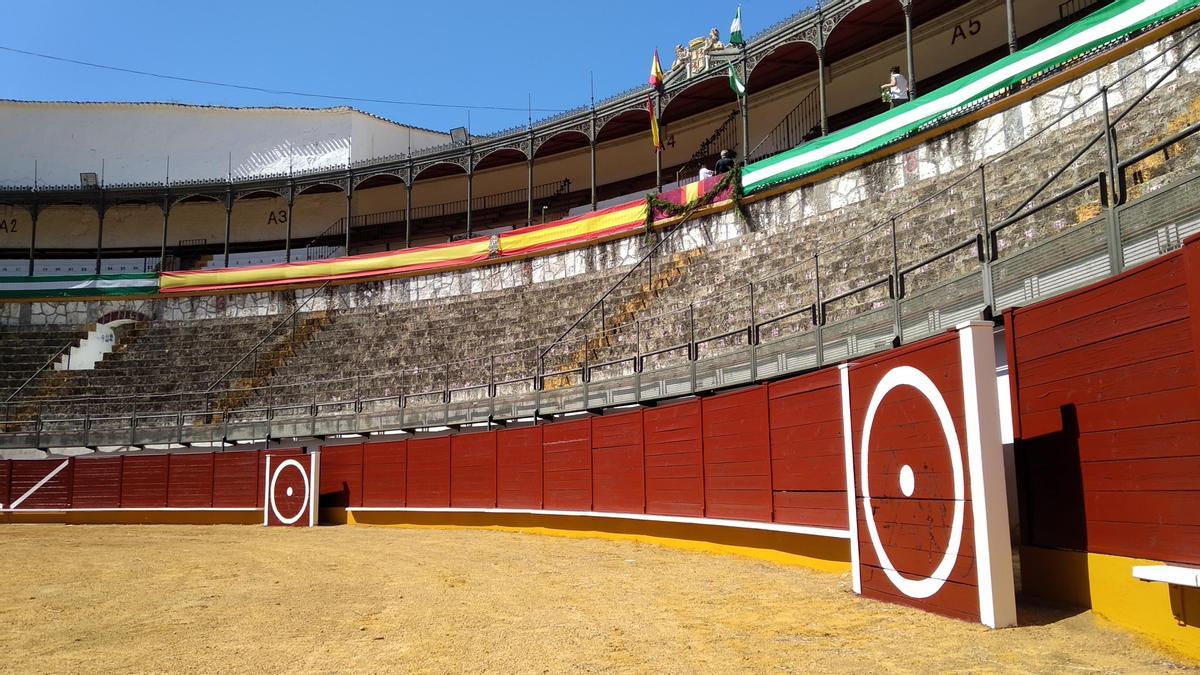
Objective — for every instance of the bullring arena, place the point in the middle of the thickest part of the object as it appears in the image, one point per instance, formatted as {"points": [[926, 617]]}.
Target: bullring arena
{"points": [[908, 386]]}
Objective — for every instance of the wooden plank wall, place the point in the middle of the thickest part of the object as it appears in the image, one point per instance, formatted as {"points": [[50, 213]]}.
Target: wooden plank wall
{"points": [[1107, 413], [198, 480], [711, 457]]}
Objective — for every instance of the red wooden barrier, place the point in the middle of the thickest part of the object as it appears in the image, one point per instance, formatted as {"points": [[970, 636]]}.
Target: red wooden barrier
{"points": [[737, 455], [341, 475], [567, 465], [236, 480], [1106, 410], [808, 474], [473, 470], [144, 481], [618, 456], [385, 474], [931, 520], [283, 453], [674, 460], [5, 475], [429, 472], [97, 483], [914, 496], [40, 484], [291, 490], [519, 468], [190, 481]]}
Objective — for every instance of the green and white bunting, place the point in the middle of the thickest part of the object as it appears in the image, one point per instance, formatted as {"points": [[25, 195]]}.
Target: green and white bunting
{"points": [[735, 82], [78, 286], [1110, 23], [735, 29]]}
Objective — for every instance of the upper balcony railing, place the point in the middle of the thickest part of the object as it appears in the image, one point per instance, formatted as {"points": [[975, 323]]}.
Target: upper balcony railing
{"points": [[889, 285], [634, 97]]}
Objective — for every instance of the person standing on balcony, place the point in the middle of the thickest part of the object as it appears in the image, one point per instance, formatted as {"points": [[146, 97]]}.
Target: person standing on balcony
{"points": [[895, 90], [705, 172], [726, 162]]}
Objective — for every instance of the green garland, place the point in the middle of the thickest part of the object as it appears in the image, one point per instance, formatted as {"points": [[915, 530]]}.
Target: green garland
{"points": [[731, 179]]}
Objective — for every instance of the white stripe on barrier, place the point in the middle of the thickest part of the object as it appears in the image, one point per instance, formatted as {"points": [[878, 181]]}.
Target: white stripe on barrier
{"points": [[39, 484], [137, 510], [717, 522]]}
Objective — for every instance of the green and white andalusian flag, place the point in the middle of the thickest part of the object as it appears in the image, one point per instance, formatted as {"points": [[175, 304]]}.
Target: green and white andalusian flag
{"points": [[735, 82], [735, 29], [76, 286], [1107, 25]]}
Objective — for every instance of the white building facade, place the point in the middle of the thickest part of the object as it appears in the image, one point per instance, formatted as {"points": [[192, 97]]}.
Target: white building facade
{"points": [[53, 143]]}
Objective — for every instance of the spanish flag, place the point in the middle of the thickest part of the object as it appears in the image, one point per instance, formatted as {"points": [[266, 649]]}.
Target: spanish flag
{"points": [[654, 135], [656, 72]]}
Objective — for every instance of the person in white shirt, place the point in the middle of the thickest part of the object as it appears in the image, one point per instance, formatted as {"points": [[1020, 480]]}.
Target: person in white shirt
{"points": [[896, 88], [705, 172]]}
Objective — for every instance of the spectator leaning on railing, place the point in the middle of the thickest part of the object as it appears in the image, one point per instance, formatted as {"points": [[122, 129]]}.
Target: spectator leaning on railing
{"points": [[895, 90], [726, 162]]}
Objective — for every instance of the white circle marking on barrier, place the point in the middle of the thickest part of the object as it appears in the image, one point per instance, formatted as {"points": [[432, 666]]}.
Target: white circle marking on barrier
{"points": [[275, 476], [909, 376], [289, 492]]}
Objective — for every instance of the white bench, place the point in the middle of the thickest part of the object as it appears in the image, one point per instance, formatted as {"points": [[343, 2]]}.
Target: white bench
{"points": [[1169, 574]]}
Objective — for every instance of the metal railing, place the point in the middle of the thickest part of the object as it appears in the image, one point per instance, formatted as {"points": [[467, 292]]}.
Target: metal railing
{"points": [[331, 241], [33, 376], [795, 128], [891, 284], [721, 138]]}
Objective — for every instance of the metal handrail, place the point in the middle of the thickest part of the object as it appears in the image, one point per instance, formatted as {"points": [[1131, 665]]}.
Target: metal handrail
{"points": [[43, 367], [802, 112], [254, 350]]}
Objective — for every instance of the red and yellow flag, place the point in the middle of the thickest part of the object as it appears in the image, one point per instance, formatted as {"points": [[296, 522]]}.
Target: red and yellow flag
{"points": [[656, 72], [654, 135]]}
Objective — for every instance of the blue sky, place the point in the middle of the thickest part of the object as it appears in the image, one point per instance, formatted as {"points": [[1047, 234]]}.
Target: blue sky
{"points": [[475, 52]]}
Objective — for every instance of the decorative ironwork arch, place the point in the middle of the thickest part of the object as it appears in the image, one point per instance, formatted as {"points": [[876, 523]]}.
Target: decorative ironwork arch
{"points": [[602, 121], [779, 55], [462, 163], [583, 130], [338, 184], [518, 148], [281, 192], [196, 196], [692, 85], [397, 176]]}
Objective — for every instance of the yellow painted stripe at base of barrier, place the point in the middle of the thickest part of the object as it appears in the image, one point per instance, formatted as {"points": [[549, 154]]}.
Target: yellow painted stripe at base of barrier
{"points": [[1168, 615], [135, 517], [819, 553]]}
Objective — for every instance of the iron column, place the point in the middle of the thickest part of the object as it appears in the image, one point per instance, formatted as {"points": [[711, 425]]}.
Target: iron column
{"points": [[33, 213], [228, 221], [908, 44], [349, 210], [1012, 26], [287, 241], [100, 231]]}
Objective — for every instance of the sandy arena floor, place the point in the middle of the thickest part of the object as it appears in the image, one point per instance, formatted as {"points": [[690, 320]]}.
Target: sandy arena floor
{"points": [[339, 599]]}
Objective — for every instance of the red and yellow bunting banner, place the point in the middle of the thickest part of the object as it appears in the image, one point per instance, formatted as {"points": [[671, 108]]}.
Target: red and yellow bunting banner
{"points": [[609, 223], [599, 225], [423, 259], [705, 194]]}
